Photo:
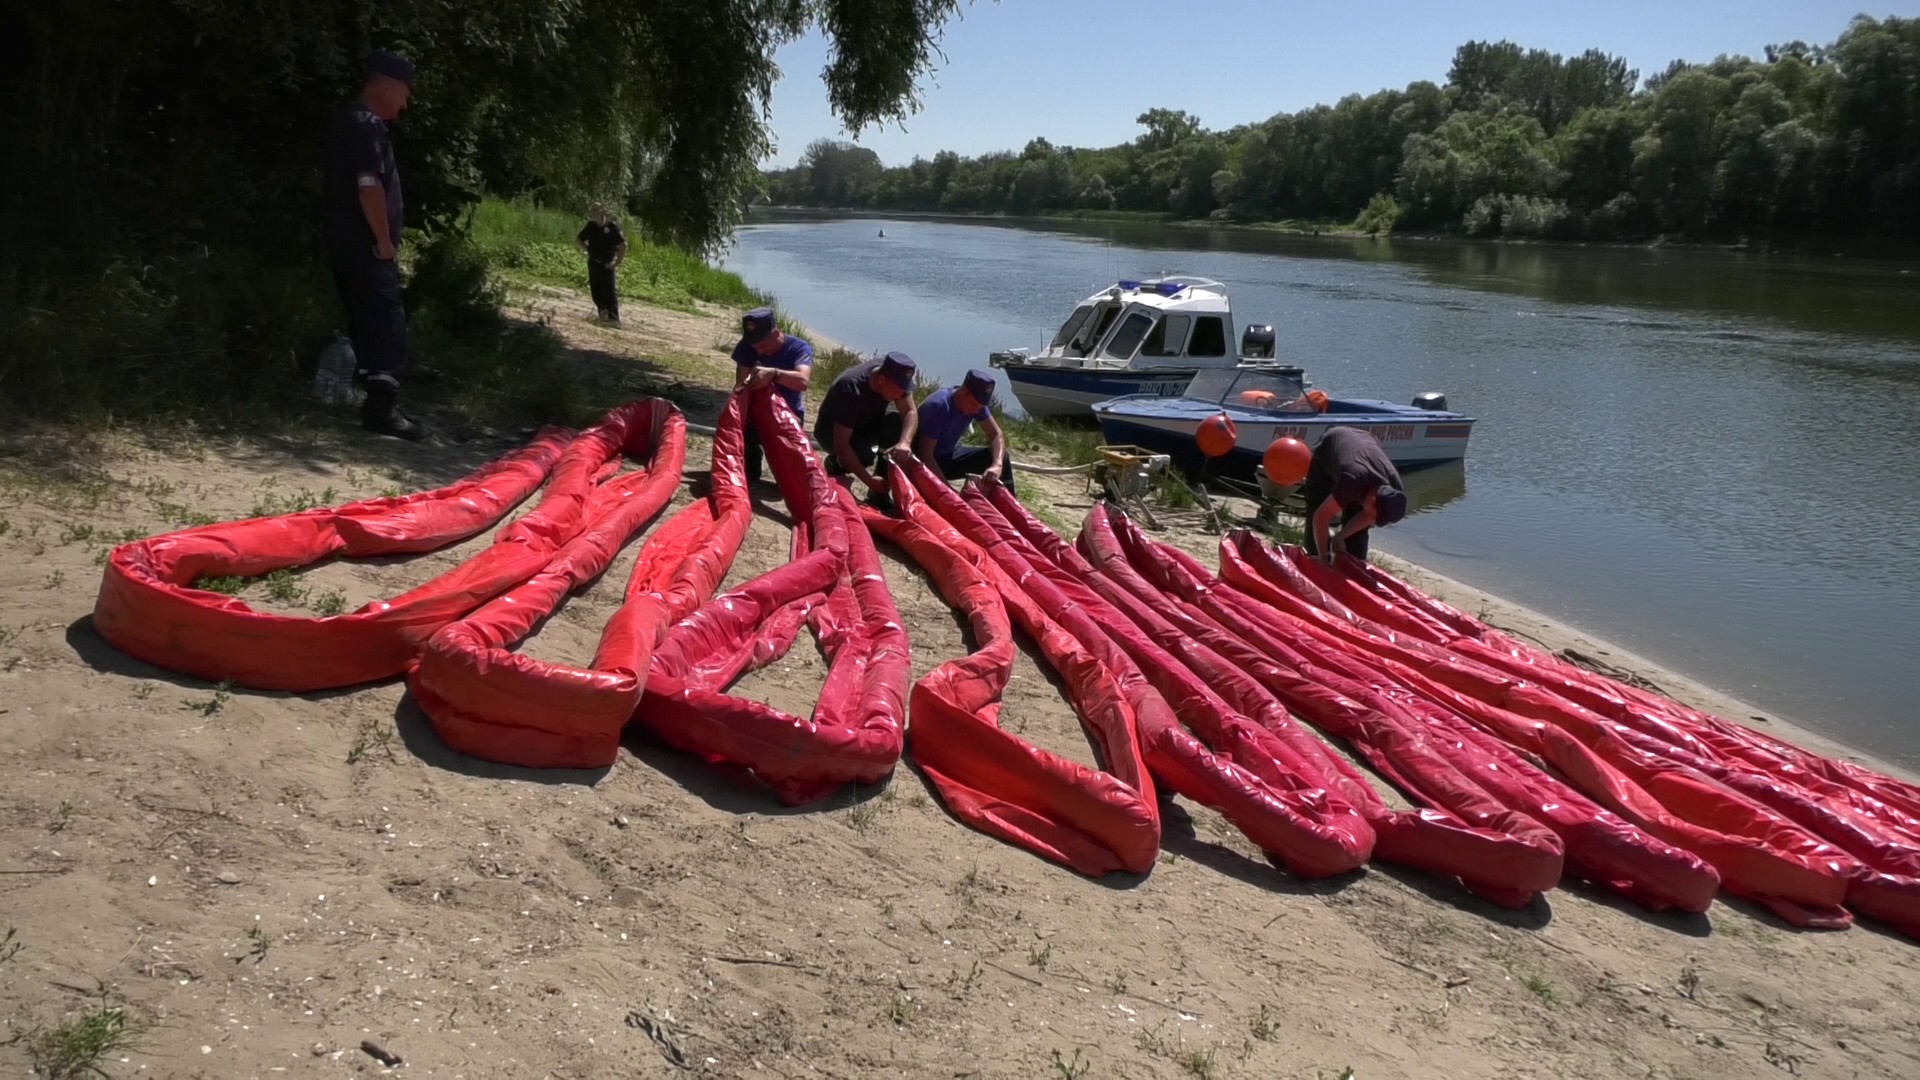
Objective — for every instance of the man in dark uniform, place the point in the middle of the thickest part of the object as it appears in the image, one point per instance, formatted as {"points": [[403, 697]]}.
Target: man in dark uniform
{"points": [[768, 356], [364, 218], [1350, 475], [867, 412], [946, 417], [606, 248]]}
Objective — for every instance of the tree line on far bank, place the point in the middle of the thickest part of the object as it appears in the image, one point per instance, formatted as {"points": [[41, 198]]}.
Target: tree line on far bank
{"points": [[1808, 141]]}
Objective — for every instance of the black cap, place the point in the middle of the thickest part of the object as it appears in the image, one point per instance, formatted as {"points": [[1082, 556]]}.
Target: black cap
{"points": [[392, 65], [900, 367], [980, 383], [755, 325], [1389, 505]]}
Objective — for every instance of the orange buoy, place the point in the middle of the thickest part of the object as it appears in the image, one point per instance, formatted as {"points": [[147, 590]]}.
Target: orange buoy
{"points": [[1257, 398], [1217, 436], [1319, 400], [1286, 461]]}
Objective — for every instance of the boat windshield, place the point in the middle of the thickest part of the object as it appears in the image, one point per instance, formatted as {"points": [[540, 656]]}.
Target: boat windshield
{"points": [[1090, 331], [1251, 388], [1074, 322]]}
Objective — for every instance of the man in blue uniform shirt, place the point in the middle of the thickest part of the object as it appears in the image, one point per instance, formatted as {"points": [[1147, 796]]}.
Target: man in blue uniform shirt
{"points": [[767, 356], [946, 417], [364, 218]]}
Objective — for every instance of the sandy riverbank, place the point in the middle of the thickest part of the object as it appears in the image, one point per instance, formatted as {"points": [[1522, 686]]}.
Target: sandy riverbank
{"points": [[262, 881]]}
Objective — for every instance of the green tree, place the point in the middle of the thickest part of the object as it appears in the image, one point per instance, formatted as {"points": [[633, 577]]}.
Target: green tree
{"points": [[1876, 112], [1747, 178], [1676, 160], [1165, 128], [841, 173], [1502, 151], [1595, 153]]}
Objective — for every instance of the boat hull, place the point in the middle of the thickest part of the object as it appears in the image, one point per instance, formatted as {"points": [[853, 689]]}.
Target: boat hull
{"points": [[1072, 392], [1413, 440]]}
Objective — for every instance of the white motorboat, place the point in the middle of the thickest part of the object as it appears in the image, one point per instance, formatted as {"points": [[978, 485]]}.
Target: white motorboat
{"points": [[1132, 338]]}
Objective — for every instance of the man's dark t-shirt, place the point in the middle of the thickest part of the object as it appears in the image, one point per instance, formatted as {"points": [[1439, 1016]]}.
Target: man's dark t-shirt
{"points": [[358, 143], [1347, 465], [852, 401], [602, 241]]}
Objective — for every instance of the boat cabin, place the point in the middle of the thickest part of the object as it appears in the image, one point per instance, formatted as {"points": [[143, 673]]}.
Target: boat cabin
{"points": [[1182, 323]]}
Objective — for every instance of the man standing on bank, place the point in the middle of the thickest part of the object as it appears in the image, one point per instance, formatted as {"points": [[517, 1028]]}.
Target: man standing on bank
{"points": [[946, 417], [768, 356], [866, 414], [1350, 474], [364, 218], [606, 248]]}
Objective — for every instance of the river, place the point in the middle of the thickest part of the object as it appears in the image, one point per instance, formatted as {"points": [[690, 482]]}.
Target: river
{"points": [[1704, 456]]}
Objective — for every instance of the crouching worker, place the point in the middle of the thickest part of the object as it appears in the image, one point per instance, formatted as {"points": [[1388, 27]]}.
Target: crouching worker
{"points": [[866, 414], [767, 356], [1350, 477], [946, 417]]}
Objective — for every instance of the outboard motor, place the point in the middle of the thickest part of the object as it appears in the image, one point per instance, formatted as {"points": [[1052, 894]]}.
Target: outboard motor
{"points": [[1432, 400], [1256, 342]]}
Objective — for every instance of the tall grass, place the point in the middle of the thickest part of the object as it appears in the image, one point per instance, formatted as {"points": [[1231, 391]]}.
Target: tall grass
{"points": [[528, 243]]}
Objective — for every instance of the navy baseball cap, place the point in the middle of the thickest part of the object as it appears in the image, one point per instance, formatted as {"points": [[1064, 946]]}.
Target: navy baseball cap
{"points": [[392, 65], [755, 325], [1390, 505], [899, 367], [980, 384]]}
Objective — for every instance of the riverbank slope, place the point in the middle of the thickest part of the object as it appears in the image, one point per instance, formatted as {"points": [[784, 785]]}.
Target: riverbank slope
{"points": [[259, 882]]}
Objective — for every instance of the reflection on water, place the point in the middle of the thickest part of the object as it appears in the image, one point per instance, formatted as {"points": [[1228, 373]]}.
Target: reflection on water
{"points": [[1433, 487], [1701, 455]]}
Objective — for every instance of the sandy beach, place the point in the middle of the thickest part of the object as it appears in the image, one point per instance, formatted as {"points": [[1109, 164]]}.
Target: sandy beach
{"points": [[264, 881]]}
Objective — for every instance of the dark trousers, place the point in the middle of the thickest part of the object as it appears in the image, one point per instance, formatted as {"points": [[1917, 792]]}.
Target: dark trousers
{"points": [[1356, 544], [755, 456], [972, 461], [869, 440], [376, 316], [606, 295]]}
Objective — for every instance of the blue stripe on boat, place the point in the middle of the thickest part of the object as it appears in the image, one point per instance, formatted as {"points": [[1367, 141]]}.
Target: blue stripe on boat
{"points": [[1109, 384]]}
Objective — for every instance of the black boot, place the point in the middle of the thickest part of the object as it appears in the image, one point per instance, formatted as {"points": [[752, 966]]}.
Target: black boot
{"points": [[380, 415]]}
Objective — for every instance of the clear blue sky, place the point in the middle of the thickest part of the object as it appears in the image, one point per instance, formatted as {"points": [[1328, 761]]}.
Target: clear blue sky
{"points": [[1079, 71]]}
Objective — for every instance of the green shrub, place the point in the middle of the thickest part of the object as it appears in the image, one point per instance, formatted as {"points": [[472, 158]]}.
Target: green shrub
{"points": [[1381, 215], [209, 333]]}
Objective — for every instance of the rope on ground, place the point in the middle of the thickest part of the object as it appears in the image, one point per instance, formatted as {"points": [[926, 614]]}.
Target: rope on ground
{"points": [[1048, 470]]}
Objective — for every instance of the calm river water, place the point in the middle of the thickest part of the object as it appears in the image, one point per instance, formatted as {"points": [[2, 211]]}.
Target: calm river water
{"points": [[1706, 457]]}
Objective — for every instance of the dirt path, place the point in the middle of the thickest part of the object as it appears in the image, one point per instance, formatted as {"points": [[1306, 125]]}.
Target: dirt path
{"points": [[263, 881]]}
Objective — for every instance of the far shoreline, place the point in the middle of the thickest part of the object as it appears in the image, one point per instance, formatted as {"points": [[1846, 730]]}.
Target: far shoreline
{"points": [[1838, 250]]}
